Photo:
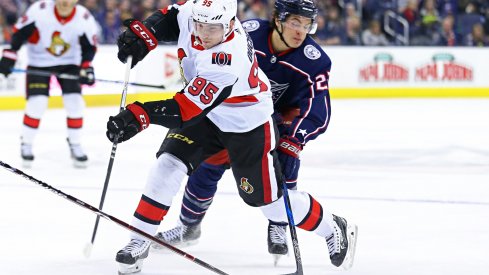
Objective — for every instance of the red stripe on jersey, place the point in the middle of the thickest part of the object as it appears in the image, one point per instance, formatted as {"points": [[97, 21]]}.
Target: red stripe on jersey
{"points": [[239, 99], [164, 11], [188, 109], [198, 45], [34, 37], [86, 64], [150, 211], [74, 123], [64, 20], [313, 217], [267, 190], [220, 158], [31, 122], [229, 38]]}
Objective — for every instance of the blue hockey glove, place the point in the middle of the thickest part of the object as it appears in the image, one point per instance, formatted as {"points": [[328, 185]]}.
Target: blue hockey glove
{"points": [[288, 151]]}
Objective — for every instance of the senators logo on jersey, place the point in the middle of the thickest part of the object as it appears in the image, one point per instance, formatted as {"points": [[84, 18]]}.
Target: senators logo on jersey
{"points": [[221, 58], [246, 186], [58, 46]]}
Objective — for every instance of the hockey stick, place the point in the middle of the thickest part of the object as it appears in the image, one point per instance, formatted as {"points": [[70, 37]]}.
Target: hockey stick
{"points": [[75, 77], [123, 224], [88, 247], [293, 233]]}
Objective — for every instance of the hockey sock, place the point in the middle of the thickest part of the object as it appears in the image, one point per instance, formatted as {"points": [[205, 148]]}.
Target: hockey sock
{"points": [[35, 108], [163, 183], [199, 192], [74, 105], [308, 213]]}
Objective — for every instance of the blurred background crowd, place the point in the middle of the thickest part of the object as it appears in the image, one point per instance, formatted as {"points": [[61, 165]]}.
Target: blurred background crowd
{"points": [[340, 22]]}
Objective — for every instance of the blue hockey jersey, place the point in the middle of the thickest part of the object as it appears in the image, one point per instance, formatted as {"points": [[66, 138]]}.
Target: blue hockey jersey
{"points": [[299, 79]]}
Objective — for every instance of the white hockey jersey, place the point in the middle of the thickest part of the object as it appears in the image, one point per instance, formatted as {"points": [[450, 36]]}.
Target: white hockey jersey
{"points": [[56, 40], [207, 72]]}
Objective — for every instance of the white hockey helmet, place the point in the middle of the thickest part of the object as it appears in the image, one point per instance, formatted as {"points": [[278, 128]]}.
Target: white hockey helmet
{"points": [[215, 12]]}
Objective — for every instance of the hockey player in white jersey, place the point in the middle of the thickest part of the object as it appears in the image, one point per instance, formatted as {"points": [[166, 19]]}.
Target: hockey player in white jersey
{"points": [[61, 38], [225, 104]]}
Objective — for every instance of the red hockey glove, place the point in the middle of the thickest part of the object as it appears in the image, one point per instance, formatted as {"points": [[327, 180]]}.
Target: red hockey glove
{"points": [[137, 41], [7, 62], [288, 151], [127, 123]]}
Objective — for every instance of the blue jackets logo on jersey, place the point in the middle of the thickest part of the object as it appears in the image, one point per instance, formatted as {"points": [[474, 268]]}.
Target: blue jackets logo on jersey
{"points": [[278, 90], [251, 25], [221, 58], [311, 52]]}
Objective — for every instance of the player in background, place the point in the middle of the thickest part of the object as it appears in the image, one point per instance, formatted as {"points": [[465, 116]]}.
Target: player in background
{"points": [[225, 105], [298, 70], [61, 38]]}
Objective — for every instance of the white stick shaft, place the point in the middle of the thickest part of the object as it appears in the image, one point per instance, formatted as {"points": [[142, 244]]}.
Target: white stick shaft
{"points": [[126, 82]]}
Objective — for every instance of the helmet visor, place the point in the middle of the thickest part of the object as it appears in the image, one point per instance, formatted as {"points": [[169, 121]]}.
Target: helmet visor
{"points": [[208, 29], [309, 28]]}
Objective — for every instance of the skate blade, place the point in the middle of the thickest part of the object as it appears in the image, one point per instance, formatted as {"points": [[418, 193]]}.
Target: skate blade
{"points": [[162, 249], [80, 164], [130, 268], [276, 258], [352, 231], [27, 163]]}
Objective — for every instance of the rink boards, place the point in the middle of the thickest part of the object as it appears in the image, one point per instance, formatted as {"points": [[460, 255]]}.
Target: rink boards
{"points": [[357, 72]]}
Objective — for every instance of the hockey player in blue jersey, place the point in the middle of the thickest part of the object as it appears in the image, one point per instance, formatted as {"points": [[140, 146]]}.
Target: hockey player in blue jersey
{"points": [[298, 70]]}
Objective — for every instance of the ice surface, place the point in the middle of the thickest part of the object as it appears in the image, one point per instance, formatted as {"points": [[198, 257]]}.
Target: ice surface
{"points": [[413, 174]]}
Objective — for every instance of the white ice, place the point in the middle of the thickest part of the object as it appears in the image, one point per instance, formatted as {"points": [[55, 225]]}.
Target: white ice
{"points": [[412, 173]]}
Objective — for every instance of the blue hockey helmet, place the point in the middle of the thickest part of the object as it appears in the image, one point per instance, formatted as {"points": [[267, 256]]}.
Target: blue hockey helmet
{"points": [[305, 8]]}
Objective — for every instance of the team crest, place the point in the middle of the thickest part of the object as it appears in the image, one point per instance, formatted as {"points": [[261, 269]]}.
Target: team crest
{"points": [[278, 90], [312, 52], [221, 58], [58, 46], [246, 186], [251, 25]]}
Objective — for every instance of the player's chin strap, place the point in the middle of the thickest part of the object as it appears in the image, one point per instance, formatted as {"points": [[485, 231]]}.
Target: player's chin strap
{"points": [[280, 34]]}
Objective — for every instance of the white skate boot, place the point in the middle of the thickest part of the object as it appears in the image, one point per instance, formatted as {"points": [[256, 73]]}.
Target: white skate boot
{"points": [[79, 157], [181, 236], [342, 243], [131, 257]]}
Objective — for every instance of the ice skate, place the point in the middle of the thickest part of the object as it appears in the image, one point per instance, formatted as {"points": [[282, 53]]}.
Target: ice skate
{"points": [[342, 243], [181, 236], [80, 159], [131, 257], [277, 241], [26, 154]]}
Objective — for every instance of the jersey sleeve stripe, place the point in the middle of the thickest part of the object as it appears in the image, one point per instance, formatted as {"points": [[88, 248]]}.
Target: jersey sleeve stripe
{"points": [[188, 109], [303, 116], [311, 89], [260, 53], [241, 99], [326, 122]]}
